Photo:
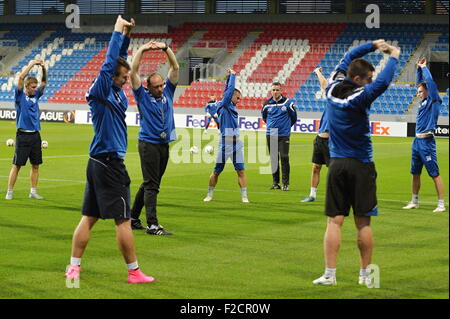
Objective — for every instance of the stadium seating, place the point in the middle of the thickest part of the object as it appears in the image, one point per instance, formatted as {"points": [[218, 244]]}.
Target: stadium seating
{"points": [[284, 52], [289, 59], [397, 99]]}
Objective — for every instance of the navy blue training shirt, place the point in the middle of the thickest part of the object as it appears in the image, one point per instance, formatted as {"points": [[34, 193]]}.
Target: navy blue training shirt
{"points": [[279, 115], [348, 108], [226, 109], [428, 112], [108, 103], [156, 115]]}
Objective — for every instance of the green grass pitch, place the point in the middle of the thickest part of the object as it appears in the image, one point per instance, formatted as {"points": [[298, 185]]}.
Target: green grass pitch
{"points": [[270, 248]]}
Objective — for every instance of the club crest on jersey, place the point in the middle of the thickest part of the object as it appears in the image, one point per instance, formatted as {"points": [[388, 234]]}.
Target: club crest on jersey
{"points": [[284, 108], [32, 99]]}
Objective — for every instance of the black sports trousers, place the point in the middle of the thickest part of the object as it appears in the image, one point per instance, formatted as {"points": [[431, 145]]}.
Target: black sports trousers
{"points": [[154, 158], [275, 157]]}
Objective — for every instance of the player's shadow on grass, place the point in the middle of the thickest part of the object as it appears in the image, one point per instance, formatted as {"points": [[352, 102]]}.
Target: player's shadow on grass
{"points": [[19, 226], [45, 204]]}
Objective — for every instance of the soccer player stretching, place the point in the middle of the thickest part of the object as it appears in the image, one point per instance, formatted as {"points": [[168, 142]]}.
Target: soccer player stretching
{"points": [[230, 146], [155, 104], [321, 150], [211, 113], [28, 138], [107, 194], [424, 145], [351, 180]]}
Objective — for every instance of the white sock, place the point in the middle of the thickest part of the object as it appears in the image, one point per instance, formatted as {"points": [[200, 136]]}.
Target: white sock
{"points": [[33, 190], [75, 261], [210, 191], [441, 203], [364, 272], [133, 266], [244, 192], [415, 198], [330, 272], [313, 192], [10, 191]]}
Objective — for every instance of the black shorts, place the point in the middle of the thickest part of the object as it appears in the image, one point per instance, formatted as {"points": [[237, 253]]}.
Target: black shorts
{"points": [[321, 151], [351, 183], [28, 146], [107, 193]]}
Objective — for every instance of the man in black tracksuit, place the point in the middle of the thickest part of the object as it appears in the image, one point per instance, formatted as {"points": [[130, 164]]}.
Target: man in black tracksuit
{"points": [[280, 114]]}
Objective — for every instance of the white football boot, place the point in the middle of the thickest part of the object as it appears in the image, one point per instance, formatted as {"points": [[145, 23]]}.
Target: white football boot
{"points": [[411, 205], [326, 281], [439, 209], [364, 280]]}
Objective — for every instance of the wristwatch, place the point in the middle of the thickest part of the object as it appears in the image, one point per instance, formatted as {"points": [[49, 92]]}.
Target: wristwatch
{"points": [[165, 48]]}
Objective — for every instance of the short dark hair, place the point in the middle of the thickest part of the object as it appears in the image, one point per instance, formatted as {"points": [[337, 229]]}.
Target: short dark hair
{"points": [[359, 67], [276, 83], [422, 84], [30, 80], [152, 75], [121, 62], [237, 90]]}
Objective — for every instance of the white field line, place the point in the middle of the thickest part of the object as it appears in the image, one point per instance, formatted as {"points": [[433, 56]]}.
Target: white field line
{"points": [[247, 147], [196, 189]]}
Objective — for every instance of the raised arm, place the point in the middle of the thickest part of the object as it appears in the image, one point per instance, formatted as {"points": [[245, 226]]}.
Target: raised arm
{"points": [[25, 72], [358, 52], [44, 78], [428, 79], [134, 74], [126, 32], [102, 84], [229, 88], [376, 88], [174, 70], [322, 80], [419, 76]]}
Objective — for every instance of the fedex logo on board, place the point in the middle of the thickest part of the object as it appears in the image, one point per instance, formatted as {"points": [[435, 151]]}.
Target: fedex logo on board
{"points": [[311, 127], [376, 128]]}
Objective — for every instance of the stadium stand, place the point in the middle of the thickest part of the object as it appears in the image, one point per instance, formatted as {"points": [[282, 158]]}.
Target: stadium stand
{"points": [[284, 52]]}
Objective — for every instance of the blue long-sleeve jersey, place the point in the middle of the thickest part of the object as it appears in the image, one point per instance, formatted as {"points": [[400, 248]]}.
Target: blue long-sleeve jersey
{"points": [[211, 108], [228, 115], [348, 107], [279, 115], [108, 103], [428, 112]]}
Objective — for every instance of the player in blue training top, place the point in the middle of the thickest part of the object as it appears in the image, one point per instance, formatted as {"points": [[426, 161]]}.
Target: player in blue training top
{"points": [[424, 145], [28, 138], [107, 193], [230, 146], [211, 113], [280, 114], [321, 150], [351, 180], [155, 104]]}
